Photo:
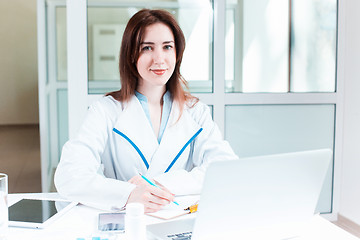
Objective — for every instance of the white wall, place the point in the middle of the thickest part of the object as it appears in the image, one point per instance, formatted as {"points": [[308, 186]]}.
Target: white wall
{"points": [[18, 62], [350, 187]]}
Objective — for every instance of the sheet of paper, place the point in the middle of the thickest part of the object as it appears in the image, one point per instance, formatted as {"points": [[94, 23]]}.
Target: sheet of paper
{"points": [[172, 210]]}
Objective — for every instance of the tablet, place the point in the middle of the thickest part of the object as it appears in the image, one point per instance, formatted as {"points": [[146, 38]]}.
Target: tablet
{"points": [[36, 213]]}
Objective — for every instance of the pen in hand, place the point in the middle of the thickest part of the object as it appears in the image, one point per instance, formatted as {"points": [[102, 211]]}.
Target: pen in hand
{"points": [[153, 184]]}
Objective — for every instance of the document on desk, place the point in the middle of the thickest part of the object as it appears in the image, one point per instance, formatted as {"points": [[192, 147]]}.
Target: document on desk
{"points": [[173, 211]]}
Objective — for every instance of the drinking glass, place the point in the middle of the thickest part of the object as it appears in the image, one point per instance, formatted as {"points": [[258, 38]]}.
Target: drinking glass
{"points": [[4, 215]]}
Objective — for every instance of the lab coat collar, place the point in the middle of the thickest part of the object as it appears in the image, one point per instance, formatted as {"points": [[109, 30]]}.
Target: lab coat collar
{"points": [[177, 133], [134, 124]]}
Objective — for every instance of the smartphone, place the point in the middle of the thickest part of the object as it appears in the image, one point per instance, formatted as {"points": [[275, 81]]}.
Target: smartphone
{"points": [[111, 222]]}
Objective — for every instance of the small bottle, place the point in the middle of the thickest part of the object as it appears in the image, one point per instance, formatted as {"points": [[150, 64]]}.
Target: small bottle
{"points": [[135, 228]]}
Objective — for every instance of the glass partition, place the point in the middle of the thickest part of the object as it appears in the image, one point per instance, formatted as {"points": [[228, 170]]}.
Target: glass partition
{"points": [[61, 53], [280, 46], [257, 34], [254, 130], [313, 46], [107, 22]]}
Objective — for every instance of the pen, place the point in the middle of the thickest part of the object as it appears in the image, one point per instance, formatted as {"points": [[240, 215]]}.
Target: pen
{"points": [[193, 208], [153, 184]]}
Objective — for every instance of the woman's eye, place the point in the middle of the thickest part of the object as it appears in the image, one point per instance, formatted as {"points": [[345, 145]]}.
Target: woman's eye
{"points": [[146, 48], [168, 47]]}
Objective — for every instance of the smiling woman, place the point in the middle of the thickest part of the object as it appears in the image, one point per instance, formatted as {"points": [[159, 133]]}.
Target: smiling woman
{"points": [[151, 126]]}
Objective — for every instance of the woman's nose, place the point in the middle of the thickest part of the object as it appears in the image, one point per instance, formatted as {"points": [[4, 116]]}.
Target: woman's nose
{"points": [[158, 56]]}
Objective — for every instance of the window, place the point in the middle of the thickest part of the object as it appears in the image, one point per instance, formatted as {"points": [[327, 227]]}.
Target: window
{"points": [[269, 129], [280, 46]]}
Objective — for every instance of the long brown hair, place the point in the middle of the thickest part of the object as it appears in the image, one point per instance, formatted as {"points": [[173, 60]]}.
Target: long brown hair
{"points": [[130, 51]]}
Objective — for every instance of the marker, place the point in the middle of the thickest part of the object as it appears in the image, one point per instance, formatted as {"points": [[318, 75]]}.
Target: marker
{"points": [[193, 208], [153, 184]]}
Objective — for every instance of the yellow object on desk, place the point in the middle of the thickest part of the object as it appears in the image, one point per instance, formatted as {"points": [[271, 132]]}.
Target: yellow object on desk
{"points": [[172, 211], [193, 208]]}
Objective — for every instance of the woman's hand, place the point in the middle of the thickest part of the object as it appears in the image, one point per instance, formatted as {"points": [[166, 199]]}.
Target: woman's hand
{"points": [[152, 197], [137, 180]]}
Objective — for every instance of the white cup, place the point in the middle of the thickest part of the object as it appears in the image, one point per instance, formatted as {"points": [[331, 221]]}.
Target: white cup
{"points": [[4, 214]]}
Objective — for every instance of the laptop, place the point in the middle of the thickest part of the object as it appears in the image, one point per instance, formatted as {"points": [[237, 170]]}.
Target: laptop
{"points": [[263, 197]]}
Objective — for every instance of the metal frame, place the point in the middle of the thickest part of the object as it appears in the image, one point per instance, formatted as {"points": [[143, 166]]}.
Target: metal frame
{"points": [[77, 62], [48, 87], [42, 76], [339, 116], [52, 87]]}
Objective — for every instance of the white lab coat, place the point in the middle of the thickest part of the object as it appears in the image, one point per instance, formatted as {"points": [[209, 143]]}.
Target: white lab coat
{"points": [[115, 141]]}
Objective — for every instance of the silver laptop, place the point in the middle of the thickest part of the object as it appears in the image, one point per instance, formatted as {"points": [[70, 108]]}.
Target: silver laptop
{"points": [[255, 196]]}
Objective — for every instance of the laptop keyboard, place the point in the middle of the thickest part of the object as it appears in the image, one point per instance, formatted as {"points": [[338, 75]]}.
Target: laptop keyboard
{"points": [[180, 236], [187, 236]]}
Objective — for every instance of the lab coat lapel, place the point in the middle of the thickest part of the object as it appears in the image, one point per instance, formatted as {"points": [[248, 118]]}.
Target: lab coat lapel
{"points": [[135, 126], [177, 133]]}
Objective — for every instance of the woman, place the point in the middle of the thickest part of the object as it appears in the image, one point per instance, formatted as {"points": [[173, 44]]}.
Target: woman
{"points": [[150, 127]]}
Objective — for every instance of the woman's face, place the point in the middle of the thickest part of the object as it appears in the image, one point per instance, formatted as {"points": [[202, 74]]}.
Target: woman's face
{"points": [[157, 56]]}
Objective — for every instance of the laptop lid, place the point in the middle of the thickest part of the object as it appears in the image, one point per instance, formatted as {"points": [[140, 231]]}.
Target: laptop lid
{"points": [[260, 193]]}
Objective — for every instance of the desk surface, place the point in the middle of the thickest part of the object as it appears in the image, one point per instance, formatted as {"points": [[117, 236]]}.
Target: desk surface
{"points": [[81, 221]]}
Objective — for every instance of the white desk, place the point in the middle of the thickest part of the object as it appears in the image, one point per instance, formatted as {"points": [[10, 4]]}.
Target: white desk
{"points": [[81, 221]]}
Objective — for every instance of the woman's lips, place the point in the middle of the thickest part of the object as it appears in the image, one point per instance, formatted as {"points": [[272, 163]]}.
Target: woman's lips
{"points": [[159, 71]]}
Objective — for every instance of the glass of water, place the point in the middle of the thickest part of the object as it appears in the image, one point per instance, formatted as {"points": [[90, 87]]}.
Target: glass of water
{"points": [[4, 215]]}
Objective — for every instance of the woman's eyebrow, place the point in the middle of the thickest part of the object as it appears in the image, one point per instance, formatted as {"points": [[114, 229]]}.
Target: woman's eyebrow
{"points": [[146, 43], [151, 43]]}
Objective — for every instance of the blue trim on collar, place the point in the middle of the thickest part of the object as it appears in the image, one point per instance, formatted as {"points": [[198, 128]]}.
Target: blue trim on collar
{"points": [[182, 149], [134, 145], [142, 155]]}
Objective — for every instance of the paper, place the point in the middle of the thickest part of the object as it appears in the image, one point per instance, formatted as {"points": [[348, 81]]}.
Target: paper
{"points": [[172, 210]]}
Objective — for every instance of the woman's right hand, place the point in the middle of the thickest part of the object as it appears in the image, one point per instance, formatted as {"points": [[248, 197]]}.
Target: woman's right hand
{"points": [[152, 197]]}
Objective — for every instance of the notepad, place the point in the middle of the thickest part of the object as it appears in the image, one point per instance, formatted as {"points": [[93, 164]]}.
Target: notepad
{"points": [[172, 210]]}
